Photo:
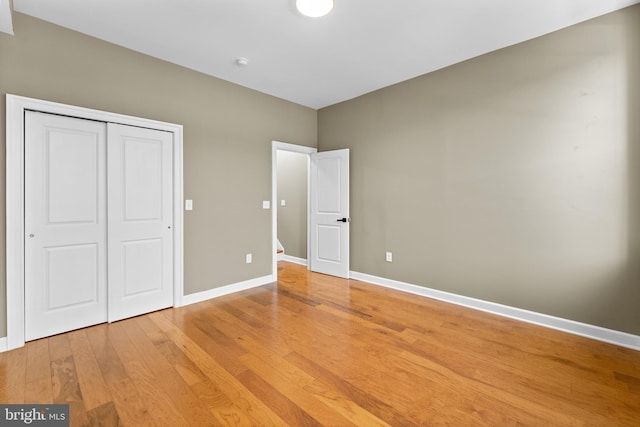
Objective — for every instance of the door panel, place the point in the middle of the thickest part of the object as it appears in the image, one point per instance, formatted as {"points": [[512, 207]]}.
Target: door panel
{"points": [[142, 179], [65, 224], [329, 207], [71, 164], [140, 191], [329, 190], [71, 275], [329, 243], [145, 255]]}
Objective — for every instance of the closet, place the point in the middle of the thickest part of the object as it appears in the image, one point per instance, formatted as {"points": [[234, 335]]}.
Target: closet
{"points": [[98, 203]]}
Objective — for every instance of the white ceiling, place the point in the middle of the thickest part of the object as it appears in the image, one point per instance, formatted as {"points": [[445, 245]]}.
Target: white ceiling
{"points": [[363, 45]]}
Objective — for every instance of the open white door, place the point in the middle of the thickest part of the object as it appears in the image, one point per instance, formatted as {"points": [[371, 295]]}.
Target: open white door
{"points": [[330, 213], [140, 193]]}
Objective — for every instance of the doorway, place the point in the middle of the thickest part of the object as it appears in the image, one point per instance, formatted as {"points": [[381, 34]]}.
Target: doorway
{"points": [[328, 218], [17, 108], [300, 150]]}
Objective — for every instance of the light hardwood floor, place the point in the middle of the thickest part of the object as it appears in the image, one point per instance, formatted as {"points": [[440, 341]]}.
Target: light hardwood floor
{"points": [[317, 350]]}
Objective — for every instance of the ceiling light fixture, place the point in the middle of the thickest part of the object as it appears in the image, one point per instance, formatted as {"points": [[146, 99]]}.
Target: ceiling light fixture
{"points": [[314, 8]]}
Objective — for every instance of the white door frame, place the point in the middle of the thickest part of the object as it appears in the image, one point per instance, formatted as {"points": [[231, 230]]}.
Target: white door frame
{"points": [[284, 146], [16, 106]]}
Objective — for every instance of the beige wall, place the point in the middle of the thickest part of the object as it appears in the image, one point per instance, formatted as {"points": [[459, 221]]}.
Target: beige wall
{"points": [[513, 177], [227, 138], [292, 187]]}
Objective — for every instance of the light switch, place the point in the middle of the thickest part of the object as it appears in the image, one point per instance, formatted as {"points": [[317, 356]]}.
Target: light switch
{"points": [[283, 203], [266, 204], [188, 205]]}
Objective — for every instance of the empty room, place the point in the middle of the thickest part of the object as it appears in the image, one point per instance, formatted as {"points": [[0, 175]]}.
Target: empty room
{"points": [[320, 212]]}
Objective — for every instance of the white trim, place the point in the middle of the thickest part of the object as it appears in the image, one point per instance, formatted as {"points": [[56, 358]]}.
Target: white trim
{"points": [[295, 260], [16, 105], [6, 20], [284, 146], [610, 336], [3, 345], [15, 222], [226, 290]]}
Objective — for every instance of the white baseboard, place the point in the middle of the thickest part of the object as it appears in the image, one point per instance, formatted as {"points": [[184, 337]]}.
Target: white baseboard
{"points": [[295, 260], [226, 290], [610, 336], [4, 346]]}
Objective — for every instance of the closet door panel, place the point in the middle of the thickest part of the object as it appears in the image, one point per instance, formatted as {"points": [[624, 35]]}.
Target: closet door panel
{"points": [[65, 224], [140, 192]]}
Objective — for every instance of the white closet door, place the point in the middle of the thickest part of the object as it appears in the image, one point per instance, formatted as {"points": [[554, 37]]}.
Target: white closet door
{"points": [[65, 224], [140, 193]]}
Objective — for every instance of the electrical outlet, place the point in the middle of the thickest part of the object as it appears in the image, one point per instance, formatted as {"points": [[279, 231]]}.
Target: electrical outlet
{"points": [[249, 259], [389, 257]]}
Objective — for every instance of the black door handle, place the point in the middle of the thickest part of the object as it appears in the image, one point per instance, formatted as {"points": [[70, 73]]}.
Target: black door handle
{"points": [[343, 220]]}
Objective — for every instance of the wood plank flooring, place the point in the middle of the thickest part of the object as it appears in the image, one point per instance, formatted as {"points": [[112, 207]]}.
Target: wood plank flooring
{"points": [[318, 350]]}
